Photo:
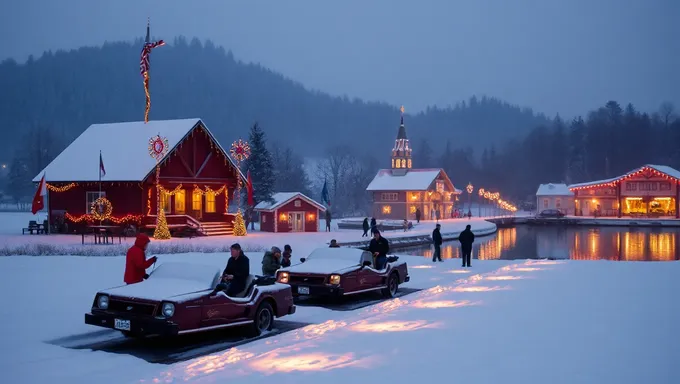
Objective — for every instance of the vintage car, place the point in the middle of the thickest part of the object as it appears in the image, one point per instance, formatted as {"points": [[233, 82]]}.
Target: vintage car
{"points": [[342, 272], [179, 298]]}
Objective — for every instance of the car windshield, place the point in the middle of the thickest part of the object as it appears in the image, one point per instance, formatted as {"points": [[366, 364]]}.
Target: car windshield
{"points": [[186, 271], [350, 255]]}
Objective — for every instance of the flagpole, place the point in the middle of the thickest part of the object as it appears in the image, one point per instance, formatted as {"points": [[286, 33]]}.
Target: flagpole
{"points": [[49, 217], [99, 169]]}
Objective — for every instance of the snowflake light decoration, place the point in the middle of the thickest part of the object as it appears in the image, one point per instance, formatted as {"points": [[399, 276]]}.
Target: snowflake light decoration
{"points": [[240, 150], [158, 147]]}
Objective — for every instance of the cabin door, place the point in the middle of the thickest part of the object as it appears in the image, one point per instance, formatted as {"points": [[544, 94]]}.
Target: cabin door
{"points": [[297, 221], [197, 204]]}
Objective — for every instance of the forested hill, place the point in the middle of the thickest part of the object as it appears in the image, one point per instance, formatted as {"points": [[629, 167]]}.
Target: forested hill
{"points": [[65, 92]]}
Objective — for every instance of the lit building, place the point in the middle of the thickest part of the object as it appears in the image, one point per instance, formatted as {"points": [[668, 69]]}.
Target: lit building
{"points": [[555, 196], [289, 212], [399, 192], [648, 191]]}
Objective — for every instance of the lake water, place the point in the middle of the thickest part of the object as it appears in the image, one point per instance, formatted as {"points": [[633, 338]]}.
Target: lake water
{"points": [[576, 243]]}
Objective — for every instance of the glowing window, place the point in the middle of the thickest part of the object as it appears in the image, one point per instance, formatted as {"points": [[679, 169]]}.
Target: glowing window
{"points": [[180, 202], [196, 198], [210, 202], [386, 209]]}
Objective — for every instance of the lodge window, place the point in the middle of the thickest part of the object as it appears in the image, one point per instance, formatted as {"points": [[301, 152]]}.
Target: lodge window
{"points": [[264, 218], [210, 202], [664, 186], [180, 202], [545, 203], [90, 197], [631, 186], [409, 163], [386, 209], [196, 200], [389, 196], [165, 201], [297, 203], [558, 203]]}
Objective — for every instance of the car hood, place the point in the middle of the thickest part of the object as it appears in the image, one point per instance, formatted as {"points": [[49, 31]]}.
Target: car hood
{"points": [[322, 267], [159, 289]]}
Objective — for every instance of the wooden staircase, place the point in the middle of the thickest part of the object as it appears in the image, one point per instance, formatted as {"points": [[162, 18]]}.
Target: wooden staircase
{"points": [[218, 228]]}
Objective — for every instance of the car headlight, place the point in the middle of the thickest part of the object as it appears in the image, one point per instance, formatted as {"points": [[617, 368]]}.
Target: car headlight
{"points": [[284, 277], [335, 279], [103, 302], [168, 309]]}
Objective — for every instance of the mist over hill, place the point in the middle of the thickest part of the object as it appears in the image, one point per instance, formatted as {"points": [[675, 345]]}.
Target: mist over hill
{"points": [[65, 92]]}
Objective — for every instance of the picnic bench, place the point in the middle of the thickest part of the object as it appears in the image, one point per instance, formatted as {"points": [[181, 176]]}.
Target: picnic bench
{"points": [[103, 233], [35, 228]]}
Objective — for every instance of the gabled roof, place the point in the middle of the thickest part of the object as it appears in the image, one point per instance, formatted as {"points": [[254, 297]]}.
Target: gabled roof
{"points": [[413, 180], [657, 170], [283, 198], [553, 190], [124, 148]]}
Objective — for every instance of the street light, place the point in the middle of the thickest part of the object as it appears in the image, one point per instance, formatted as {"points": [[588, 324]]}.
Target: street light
{"points": [[469, 189], [479, 201]]}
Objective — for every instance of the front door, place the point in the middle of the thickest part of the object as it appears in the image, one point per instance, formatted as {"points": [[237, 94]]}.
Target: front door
{"points": [[297, 221], [197, 204]]}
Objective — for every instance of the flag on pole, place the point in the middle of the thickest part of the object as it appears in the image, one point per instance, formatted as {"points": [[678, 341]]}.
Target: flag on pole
{"points": [[39, 198], [249, 187], [324, 194], [102, 170]]}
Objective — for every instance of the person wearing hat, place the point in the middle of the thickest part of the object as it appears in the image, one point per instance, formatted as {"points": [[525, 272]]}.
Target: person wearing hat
{"points": [[286, 255], [379, 247], [271, 262], [236, 273], [437, 241]]}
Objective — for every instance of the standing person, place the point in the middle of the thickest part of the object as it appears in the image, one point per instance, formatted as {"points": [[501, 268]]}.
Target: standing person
{"points": [[251, 215], [374, 224], [418, 215], [328, 220], [469, 215], [236, 273], [405, 225], [136, 262], [365, 227], [379, 247], [286, 255], [271, 262], [437, 241], [466, 239]]}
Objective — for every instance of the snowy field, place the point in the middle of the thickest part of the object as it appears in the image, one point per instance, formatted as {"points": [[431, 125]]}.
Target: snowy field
{"points": [[12, 242], [499, 322]]}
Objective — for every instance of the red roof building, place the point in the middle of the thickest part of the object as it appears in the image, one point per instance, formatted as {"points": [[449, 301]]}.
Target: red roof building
{"points": [[197, 177], [289, 212]]}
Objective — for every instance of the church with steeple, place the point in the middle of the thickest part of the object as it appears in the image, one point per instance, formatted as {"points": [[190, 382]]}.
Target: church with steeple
{"points": [[402, 191]]}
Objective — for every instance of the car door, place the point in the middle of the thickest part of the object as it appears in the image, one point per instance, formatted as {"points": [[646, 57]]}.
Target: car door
{"points": [[220, 309], [367, 276]]}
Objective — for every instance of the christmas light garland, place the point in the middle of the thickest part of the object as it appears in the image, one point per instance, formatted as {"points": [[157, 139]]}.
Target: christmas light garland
{"points": [[158, 148], [611, 184], [63, 188], [89, 218], [101, 209]]}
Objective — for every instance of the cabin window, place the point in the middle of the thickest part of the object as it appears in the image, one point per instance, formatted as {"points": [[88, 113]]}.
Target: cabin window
{"points": [[180, 202], [297, 203], [409, 163], [196, 200], [210, 202], [558, 203], [391, 196], [165, 201], [545, 203], [386, 209], [264, 218], [90, 197]]}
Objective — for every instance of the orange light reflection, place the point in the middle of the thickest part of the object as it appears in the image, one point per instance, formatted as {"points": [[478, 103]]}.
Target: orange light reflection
{"points": [[443, 304], [527, 269], [212, 363], [421, 267], [504, 277], [480, 289], [457, 271], [392, 326], [272, 362]]}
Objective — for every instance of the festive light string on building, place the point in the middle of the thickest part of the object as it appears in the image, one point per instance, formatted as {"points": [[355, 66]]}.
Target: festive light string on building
{"points": [[145, 66], [614, 182], [118, 220], [209, 190], [495, 198], [63, 188], [158, 148], [240, 151]]}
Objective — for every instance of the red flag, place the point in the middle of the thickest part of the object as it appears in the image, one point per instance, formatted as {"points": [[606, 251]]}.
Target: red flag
{"points": [[39, 198], [249, 186]]}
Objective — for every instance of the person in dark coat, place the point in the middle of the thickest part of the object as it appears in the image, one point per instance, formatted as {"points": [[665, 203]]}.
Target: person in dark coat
{"points": [[236, 273], [374, 224], [365, 227], [437, 241], [418, 215], [379, 247], [136, 262], [466, 239], [271, 262], [328, 220], [334, 244], [286, 255]]}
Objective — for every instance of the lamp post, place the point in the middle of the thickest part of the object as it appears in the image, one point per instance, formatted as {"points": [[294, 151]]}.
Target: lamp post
{"points": [[479, 201], [469, 189]]}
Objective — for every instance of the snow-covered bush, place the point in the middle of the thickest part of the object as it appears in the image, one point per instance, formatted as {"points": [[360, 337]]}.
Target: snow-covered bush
{"points": [[39, 249]]}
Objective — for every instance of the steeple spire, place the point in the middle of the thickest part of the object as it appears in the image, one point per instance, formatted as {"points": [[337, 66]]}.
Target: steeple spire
{"points": [[401, 153]]}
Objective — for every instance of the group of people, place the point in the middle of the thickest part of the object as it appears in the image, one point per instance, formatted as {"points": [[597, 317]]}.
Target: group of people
{"points": [[466, 238]]}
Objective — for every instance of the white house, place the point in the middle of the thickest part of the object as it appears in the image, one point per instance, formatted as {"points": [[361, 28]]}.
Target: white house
{"points": [[555, 196]]}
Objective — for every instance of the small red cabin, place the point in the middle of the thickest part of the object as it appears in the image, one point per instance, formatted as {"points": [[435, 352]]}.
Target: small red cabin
{"points": [[290, 212], [196, 176]]}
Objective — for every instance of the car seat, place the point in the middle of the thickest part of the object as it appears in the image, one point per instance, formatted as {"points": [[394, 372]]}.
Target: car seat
{"points": [[250, 284], [366, 256]]}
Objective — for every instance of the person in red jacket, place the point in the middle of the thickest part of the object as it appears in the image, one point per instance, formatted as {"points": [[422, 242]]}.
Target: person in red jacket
{"points": [[136, 262]]}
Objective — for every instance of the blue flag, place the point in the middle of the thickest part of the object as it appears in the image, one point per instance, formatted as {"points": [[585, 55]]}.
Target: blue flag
{"points": [[324, 194]]}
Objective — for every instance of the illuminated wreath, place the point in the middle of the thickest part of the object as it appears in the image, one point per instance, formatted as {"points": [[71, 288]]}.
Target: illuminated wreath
{"points": [[101, 209], [158, 147], [240, 150]]}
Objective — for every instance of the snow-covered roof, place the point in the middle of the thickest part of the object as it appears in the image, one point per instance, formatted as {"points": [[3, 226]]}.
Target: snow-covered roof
{"points": [[282, 198], [413, 180], [663, 169], [554, 190], [124, 148]]}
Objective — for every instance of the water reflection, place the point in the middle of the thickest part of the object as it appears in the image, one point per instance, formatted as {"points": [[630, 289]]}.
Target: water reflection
{"points": [[576, 243]]}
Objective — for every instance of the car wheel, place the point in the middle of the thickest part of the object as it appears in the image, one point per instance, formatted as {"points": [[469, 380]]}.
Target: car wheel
{"points": [[392, 286], [264, 319]]}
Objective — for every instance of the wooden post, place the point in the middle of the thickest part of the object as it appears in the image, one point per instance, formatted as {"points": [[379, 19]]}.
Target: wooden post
{"points": [[677, 200], [618, 198]]}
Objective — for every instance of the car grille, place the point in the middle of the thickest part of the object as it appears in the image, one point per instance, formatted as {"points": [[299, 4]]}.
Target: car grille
{"points": [[309, 280], [131, 307]]}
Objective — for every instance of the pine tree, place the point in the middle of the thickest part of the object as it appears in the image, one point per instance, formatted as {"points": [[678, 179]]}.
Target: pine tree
{"points": [[289, 172], [423, 155], [260, 165]]}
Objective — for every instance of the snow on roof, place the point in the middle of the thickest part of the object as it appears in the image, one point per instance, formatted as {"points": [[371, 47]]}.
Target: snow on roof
{"points": [[124, 148], [282, 198], [669, 171], [413, 180], [553, 190]]}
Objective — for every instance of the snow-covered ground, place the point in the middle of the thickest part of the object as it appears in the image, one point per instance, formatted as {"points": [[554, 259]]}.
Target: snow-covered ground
{"points": [[12, 242], [499, 322]]}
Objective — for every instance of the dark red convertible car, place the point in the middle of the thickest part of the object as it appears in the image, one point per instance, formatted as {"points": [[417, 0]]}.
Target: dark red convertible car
{"points": [[342, 272], [178, 298]]}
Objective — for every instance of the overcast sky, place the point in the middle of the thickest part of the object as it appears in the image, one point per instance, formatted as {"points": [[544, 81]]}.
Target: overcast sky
{"points": [[565, 56]]}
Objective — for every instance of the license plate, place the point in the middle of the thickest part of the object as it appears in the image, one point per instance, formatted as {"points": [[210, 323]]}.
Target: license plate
{"points": [[303, 290], [123, 325]]}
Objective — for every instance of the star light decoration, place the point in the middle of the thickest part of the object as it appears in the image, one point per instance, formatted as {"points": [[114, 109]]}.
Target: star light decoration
{"points": [[158, 148], [240, 150]]}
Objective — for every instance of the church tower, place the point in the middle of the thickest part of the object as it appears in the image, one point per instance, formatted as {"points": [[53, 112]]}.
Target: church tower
{"points": [[401, 153]]}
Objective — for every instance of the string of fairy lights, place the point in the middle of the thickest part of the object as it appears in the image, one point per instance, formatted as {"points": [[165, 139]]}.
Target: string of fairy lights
{"points": [[492, 197]]}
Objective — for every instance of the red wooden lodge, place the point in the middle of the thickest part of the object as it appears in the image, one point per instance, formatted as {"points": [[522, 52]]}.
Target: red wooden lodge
{"points": [[197, 177], [289, 212]]}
